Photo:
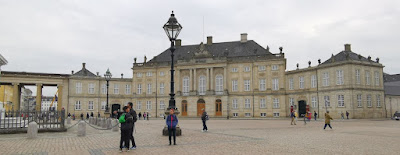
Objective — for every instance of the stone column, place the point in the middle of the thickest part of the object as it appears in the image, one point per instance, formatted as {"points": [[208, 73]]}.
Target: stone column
{"points": [[178, 80], [225, 79], [212, 79], [60, 97], [191, 80], [194, 81], [16, 96], [208, 79], [38, 97]]}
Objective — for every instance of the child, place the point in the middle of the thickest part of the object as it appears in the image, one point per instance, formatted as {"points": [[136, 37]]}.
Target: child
{"points": [[126, 121]]}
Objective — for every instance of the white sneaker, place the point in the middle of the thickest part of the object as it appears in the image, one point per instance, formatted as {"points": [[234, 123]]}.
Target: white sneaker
{"points": [[133, 148]]}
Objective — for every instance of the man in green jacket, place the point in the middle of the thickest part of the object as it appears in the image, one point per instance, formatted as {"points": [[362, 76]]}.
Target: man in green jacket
{"points": [[327, 120]]}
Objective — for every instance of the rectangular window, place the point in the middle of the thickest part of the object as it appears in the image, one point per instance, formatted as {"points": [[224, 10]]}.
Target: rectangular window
{"points": [[90, 105], [291, 84], [339, 77], [313, 81], [276, 102], [234, 103], [367, 78], [325, 79], [369, 101], [275, 84], [162, 73], [104, 88], [262, 85], [301, 82], [263, 104], [103, 105], [263, 114], [185, 86], [274, 67], [162, 88], [246, 69], [91, 88], [247, 103], [78, 105], [359, 100], [314, 102], [234, 85], [327, 101], [162, 105], [149, 88], [378, 100], [246, 85], [340, 100], [358, 79], [139, 89], [202, 85], [138, 105], [139, 75], [247, 114], [235, 115], [78, 88], [116, 89], [148, 105], [219, 89], [377, 78], [235, 69], [149, 74], [261, 68], [127, 89], [291, 101], [276, 114]]}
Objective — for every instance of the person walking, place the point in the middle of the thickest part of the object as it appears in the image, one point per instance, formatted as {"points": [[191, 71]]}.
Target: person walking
{"points": [[171, 122], [347, 114], [87, 115], [328, 119], [147, 115], [204, 118], [133, 114], [126, 121], [292, 115], [296, 115], [140, 115], [81, 116], [69, 114], [144, 116], [305, 117], [98, 114], [91, 114], [342, 115], [315, 116]]}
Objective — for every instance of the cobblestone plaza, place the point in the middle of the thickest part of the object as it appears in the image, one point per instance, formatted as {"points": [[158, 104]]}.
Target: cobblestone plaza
{"points": [[223, 137]]}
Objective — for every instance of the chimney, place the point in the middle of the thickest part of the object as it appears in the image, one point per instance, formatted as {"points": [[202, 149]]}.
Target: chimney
{"points": [[122, 75], [97, 73], [178, 43], [83, 65], [209, 40], [243, 37], [347, 47], [72, 72]]}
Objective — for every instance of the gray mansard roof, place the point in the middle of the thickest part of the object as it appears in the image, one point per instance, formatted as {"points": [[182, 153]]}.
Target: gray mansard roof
{"points": [[224, 49], [346, 55]]}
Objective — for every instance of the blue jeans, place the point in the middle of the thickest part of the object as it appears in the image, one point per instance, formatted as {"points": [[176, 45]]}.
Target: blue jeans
{"points": [[328, 125]]}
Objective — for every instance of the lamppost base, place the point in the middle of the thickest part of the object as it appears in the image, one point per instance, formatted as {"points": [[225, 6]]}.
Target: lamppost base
{"points": [[178, 129]]}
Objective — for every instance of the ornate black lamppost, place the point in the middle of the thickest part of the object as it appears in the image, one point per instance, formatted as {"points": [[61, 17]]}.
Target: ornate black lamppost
{"points": [[107, 76], [172, 29]]}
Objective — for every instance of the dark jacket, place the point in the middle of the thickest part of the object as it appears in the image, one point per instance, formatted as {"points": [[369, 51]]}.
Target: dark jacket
{"points": [[172, 121], [204, 116], [133, 114], [128, 122]]}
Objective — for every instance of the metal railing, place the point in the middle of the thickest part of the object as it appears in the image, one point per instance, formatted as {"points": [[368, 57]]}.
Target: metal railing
{"points": [[19, 120]]}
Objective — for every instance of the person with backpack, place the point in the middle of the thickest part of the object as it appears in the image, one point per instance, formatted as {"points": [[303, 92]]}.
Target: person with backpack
{"points": [[126, 121], [171, 122], [133, 114], [204, 118]]}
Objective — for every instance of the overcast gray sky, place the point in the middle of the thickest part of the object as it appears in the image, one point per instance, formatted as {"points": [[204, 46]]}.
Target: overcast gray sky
{"points": [[57, 36]]}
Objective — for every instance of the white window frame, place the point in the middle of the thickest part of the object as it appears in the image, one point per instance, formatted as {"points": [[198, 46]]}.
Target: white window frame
{"points": [[261, 68], [103, 105], [162, 104], [377, 79], [185, 86], [219, 84], [274, 67], [149, 74], [340, 101], [202, 85], [339, 77], [235, 114], [116, 88], [301, 82], [78, 105], [79, 88], [127, 89], [378, 100], [359, 100], [314, 102], [369, 100], [313, 81], [291, 101], [276, 114], [91, 105], [234, 85], [246, 85], [276, 103], [139, 88], [327, 101], [91, 88], [149, 88], [139, 75], [247, 104], [162, 88], [367, 78], [148, 105], [263, 85], [234, 103], [162, 73], [247, 114], [138, 105], [263, 103], [246, 69], [104, 88], [275, 84], [235, 69], [358, 76], [325, 79], [291, 83], [263, 114]]}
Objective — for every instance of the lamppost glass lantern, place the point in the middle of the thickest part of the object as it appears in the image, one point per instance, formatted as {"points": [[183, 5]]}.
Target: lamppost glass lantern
{"points": [[107, 76], [172, 27]]}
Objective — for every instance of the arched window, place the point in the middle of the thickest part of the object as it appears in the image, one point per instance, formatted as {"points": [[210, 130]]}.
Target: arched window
{"points": [[202, 85], [185, 86], [219, 84]]}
